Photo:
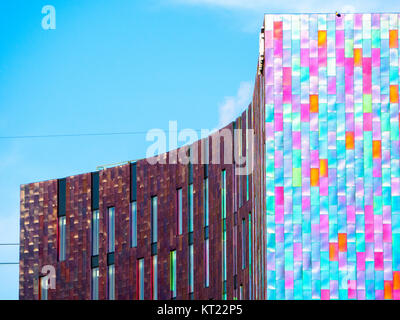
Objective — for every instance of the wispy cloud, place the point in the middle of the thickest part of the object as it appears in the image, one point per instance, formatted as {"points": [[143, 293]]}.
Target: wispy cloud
{"points": [[233, 105], [298, 6]]}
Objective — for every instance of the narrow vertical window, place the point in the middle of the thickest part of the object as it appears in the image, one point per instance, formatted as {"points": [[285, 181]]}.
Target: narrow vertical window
{"points": [[95, 283], [62, 221], [111, 282], [95, 233], [61, 214], [235, 232], [172, 273], [206, 236], [43, 288], [250, 256], [241, 292], [190, 200], [205, 199], [153, 219], [154, 287], [133, 224], [223, 209], [207, 262], [111, 229], [240, 157], [247, 154], [179, 211], [243, 243], [95, 212], [191, 269], [140, 279]]}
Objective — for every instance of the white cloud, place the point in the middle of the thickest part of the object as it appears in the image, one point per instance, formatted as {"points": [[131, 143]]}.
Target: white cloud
{"points": [[233, 105], [298, 6]]}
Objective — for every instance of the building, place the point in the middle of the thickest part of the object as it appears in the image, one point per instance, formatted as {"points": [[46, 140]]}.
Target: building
{"points": [[150, 231], [316, 216]]}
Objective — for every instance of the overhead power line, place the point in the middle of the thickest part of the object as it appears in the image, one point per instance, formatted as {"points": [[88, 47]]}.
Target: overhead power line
{"points": [[8, 263], [72, 135], [69, 135]]}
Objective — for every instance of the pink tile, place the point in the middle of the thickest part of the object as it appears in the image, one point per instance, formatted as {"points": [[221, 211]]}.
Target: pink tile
{"points": [[296, 136], [305, 112], [369, 232], [297, 251], [279, 198], [379, 261], [279, 214], [340, 57], [325, 295], [289, 280], [367, 121], [324, 223], [351, 214], [376, 57], [305, 202], [278, 121], [361, 261], [387, 233], [331, 85], [369, 214]]}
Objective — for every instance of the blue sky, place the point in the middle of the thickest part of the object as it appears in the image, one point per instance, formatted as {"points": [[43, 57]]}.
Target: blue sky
{"points": [[119, 66]]}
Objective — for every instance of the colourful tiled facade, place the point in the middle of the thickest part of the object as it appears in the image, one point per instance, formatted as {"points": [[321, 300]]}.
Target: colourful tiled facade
{"points": [[332, 156]]}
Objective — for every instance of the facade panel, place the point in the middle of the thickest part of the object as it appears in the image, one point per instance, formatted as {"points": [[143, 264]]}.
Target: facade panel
{"points": [[332, 158]]}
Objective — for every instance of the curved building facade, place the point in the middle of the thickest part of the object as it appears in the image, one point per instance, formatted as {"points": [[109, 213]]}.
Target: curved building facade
{"points": [[170, 227], [298, 198]]}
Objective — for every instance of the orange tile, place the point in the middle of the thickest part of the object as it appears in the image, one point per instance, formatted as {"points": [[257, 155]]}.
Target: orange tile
{"points": [[333, 256], [323, 167], [342, 242], [278, 34], [394, 94], [313, 103], [376, 149], [396, 280], [388, 290], [314, 177], [393, 39], [322, 38], [349, 140], [358, 57]]}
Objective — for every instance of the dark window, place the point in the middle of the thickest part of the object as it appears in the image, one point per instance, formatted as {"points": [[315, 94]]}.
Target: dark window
{"points": [[111, 229], [179, 211], [172, 273], [154, 284], [95, 283], [95, 191], [61, 198], [62, 226], [153, 219], [95, 232], [111, 282], [140, 279], [133, 182], [133, 224]]}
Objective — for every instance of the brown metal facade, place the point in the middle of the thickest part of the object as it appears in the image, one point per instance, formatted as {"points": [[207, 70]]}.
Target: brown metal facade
{"points": [[245, 200]]}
